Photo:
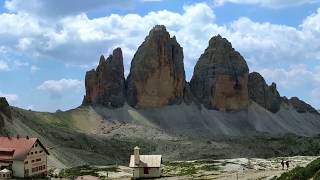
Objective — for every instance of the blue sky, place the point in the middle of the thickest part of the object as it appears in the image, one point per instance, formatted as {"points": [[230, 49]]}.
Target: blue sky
{"points": [[48, 45]]}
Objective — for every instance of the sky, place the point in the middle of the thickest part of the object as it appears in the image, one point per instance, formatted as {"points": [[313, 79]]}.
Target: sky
{"points": [[46, 46]]}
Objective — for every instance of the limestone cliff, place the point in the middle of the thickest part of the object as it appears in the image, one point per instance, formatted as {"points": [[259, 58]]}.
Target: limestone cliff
{"points": [[301, 106], [266, 96], [106, 84], [157, 76], [220, 77]]}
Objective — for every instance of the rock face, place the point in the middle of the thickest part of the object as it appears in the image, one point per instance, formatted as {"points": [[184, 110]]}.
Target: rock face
{"points": [[157, 76], [220, 77], [301, 106], [264, 95], [106, 84], [4, 110]]}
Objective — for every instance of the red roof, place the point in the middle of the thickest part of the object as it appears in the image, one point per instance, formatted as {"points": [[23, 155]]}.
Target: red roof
{"points": [[13, 148]]}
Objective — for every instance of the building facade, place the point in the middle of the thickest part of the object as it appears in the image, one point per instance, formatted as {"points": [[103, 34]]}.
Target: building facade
{"points": [[25, 157], [145, 166]]}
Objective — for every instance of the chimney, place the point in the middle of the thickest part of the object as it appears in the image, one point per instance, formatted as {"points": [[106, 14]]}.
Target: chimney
{"points": [[18, 136], [136, 155], [27, 137]]}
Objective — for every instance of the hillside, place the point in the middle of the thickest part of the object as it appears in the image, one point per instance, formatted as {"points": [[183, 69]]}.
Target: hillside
{"points": [[103, 136], [223, 112]]}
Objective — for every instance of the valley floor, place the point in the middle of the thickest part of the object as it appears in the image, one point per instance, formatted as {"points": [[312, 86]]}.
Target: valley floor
{"points": [[228, 169]]}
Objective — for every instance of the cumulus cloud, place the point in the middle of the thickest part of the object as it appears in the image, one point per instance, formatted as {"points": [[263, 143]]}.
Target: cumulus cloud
{"points": [[293, 77], [78, 40], [11, 98], [56, 88], [302, 80], [4, 66], [268, 3]]}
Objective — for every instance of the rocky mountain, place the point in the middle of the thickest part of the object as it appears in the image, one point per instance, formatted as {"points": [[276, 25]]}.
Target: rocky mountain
{"points": [[157, 76], [106, 85], [300, 106], [156, 109], [220, 77], [264, 95], [5, 111]]}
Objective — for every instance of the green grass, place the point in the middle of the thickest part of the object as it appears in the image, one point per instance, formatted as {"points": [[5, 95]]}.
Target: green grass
{"points": [[209, 167], [85, 170], [300, 173]]}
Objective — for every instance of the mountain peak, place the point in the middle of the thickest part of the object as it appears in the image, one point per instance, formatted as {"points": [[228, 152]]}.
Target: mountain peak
{"points": [[105, 85], [219, 42], [157, 76], [220, 77]]}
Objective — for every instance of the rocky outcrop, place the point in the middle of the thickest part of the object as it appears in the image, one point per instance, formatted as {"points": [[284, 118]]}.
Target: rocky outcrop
{"points": [[301, 106], [220, 77], [264, 95], [4, 110], [106, 85], [157, 76]]}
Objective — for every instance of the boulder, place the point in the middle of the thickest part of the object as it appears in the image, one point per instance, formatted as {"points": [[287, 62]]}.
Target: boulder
{"points": [[220, 77], [264, 95], [106, 84], [157, 76]]}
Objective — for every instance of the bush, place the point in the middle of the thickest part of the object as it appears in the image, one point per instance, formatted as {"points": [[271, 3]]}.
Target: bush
{"points": [[299, 173]]}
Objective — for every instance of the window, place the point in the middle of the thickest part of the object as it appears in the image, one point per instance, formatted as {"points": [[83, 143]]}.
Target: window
{"points": [[36, 145], [44, 166], [36, 152], [32, 161], [41, 151], [26, 162], [37, 160], [31, 152], [146, 170]]}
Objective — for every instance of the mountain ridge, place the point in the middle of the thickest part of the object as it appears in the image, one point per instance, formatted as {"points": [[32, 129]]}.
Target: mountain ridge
{"points": [[221, 79], [236, 113]]}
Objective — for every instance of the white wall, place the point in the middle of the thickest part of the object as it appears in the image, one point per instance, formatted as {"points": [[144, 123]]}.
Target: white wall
{"points": [[153, 172], [18, 168], [43, 156]]}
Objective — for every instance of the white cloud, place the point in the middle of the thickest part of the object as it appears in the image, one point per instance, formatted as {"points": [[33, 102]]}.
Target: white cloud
{"points": [[66, 38], [30, 107], [58, 86], [4, 66], [299, 80], [267, 3], [11, 98], [293, 77], [34, 68], [24, 44], [78, 40]]}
